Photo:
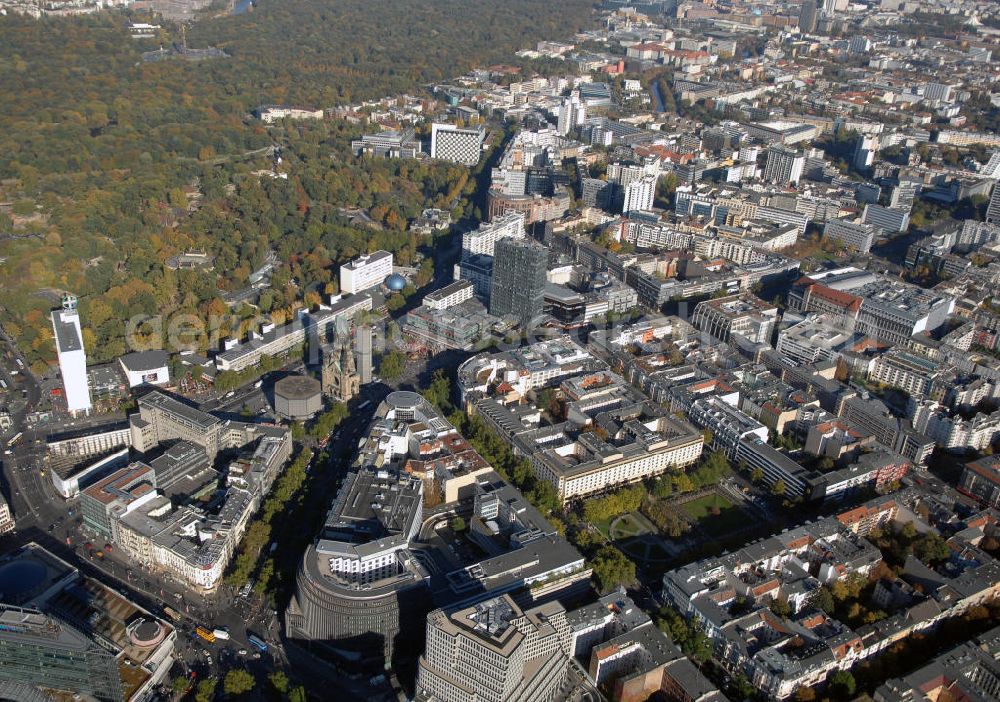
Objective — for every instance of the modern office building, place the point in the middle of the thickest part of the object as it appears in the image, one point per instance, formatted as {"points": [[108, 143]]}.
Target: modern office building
{"points": [[388, 144], [519, 275], [743, 314], [455, 144], [784, 166], [729, 426], [774, 466], [460, 326], [581, 463], [358, 586], [181, 460], [813, 339], [448, 296], [162, 418], [807, 16], [639, 194], [993, 209], [856, 235], [981, 480], [146, 367], [781, 132], [478, 270], [894, 311], [572, 114], [483, 240], [6, 518], [107, 500], [859, 44], [65, 636], [72, 355], [493, 651], [599, 193], [902, 196], [626, 172], [36, 648], [526, 368], [864, 152], [365, 272], [886, 218]]}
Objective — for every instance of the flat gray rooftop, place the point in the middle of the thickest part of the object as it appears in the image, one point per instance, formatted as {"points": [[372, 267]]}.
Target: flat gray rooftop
{"points": [[67, 338]]}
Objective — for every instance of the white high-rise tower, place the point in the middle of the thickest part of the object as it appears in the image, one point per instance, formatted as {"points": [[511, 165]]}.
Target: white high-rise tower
{"points": [[572, 113], [72, 355]]}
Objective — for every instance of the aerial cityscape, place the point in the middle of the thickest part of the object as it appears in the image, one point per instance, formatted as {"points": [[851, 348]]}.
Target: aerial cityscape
{"points": [[576, 351]]}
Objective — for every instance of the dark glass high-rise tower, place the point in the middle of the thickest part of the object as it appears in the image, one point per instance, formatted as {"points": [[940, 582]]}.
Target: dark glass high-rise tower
{"points": [[807, 17], [518, 285]]}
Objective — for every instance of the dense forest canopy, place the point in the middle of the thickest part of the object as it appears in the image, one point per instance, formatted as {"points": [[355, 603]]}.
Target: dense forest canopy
{"points": [[109, 165], [317, 52]]}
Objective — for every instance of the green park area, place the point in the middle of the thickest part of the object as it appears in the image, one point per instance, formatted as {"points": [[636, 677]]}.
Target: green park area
{"points": [[715, 514], [628, 526], [634, 534]]}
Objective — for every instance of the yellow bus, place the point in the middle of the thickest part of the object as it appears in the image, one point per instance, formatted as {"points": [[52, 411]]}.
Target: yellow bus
{"points": [[205, 634]]}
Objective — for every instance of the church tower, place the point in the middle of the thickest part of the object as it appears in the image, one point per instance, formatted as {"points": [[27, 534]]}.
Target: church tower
{"points": [[340, 378]]}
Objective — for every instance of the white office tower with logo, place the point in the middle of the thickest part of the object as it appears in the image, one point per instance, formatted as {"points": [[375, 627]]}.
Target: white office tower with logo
{"points": [[72, 356]]}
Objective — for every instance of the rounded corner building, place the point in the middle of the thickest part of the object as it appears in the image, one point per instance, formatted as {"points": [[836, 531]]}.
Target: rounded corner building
{"points": [[358, 588]]}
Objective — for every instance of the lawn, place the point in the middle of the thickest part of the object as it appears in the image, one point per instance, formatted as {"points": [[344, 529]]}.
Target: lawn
{"points": [[627, 525], [730, 518], [604, 526]]}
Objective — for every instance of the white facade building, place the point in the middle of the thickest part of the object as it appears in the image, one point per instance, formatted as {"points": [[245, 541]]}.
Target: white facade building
{"points": [[449, 296], [146, 368], [639, 194], [276, 113], [6, 520], [572, 113], [72, 356], [484, 239], [887, 218], [864, 153], [365, 272]]}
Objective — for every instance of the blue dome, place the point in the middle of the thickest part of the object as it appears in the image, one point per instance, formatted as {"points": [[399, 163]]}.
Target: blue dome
{"points": [[395, 282]]}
